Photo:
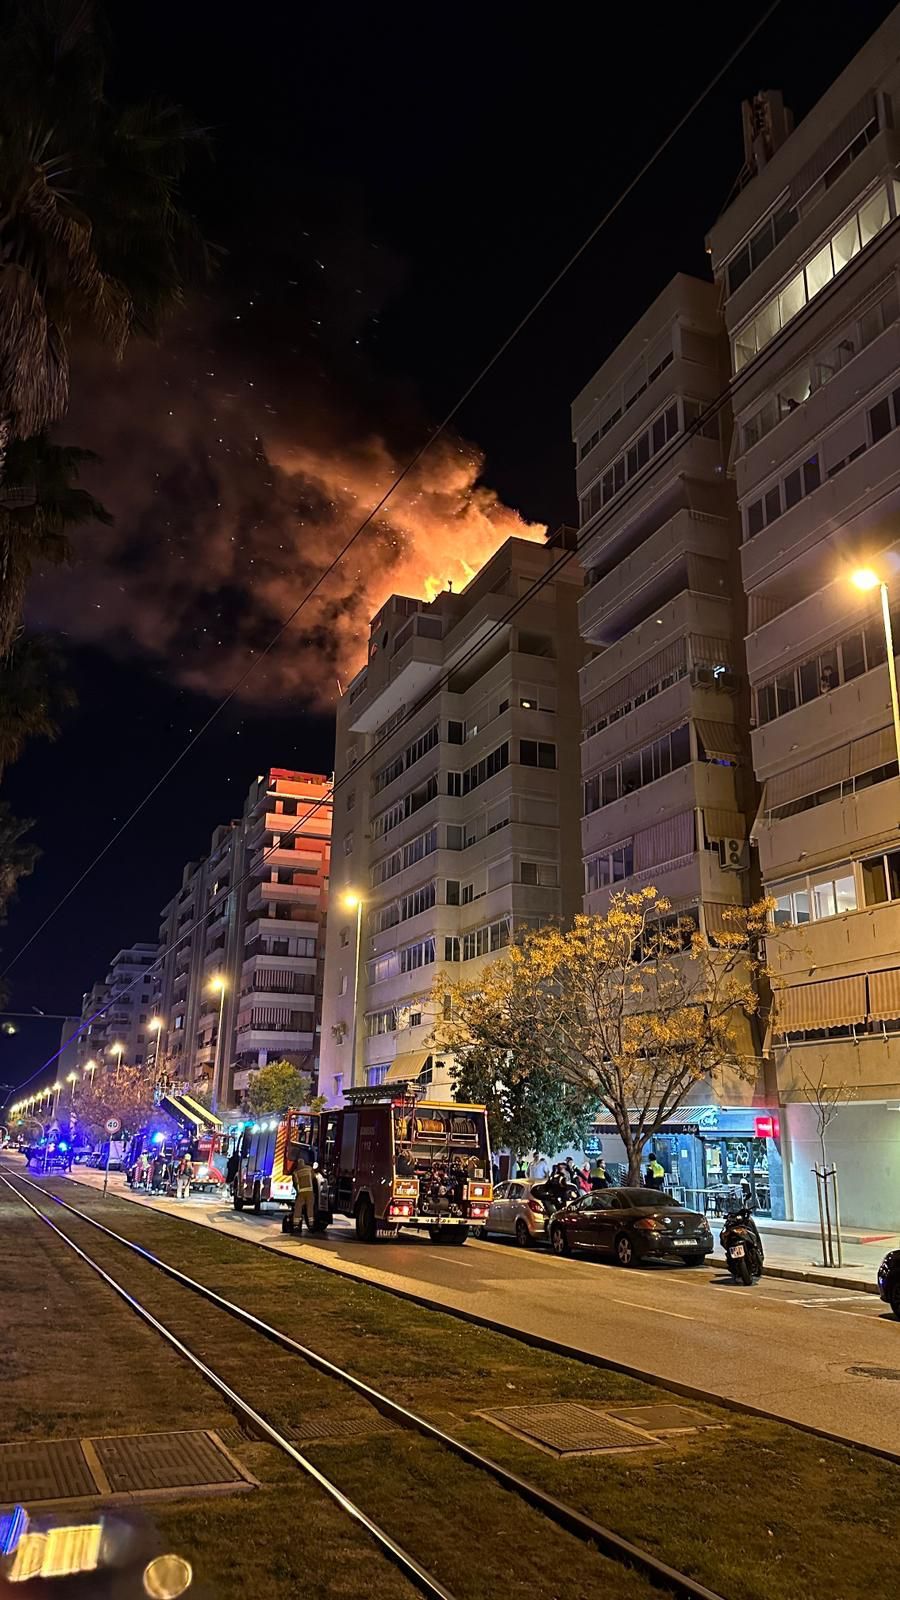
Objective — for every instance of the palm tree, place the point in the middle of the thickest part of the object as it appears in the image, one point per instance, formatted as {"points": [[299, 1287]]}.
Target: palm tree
{"points": [[33, 695], [39, 502], [17, 860], [93, 235]]}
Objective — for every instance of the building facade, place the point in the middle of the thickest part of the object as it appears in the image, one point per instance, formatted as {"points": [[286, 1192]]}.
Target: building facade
{"points": [[120, 1035], [668, 785], [806, 259], [242, 942], [461, 828]]}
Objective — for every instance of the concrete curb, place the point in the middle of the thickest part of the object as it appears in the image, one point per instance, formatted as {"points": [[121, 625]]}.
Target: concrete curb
{"points": [[537, 1341], [800, 1275]]}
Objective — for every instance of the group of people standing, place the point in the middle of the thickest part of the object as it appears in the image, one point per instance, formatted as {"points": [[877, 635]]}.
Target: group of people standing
{"points": [[159, 1172], [557, 1185]]}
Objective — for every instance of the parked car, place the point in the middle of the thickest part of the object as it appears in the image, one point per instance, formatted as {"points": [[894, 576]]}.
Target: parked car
{"points": [[889, 1281], [632, 1225], [515, 1213]]}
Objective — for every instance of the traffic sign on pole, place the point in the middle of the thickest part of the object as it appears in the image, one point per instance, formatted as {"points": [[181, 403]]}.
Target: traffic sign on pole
{"points": [[113, 1124]]}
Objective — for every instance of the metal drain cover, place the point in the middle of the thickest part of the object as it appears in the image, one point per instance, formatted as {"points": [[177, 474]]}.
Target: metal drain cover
{"points": [[163, 1461], [569, 1429], [44, 1470], [892, 1374], [665, 1418]]}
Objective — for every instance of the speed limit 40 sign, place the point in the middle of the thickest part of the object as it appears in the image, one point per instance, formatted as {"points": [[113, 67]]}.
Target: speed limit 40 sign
{"points": [[113, 1124]]}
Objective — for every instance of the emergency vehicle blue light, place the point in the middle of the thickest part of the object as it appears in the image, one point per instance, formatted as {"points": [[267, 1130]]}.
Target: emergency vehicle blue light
{"points": [[255, 1128], [63, 1145], [159, 1138], [12, 1526]]}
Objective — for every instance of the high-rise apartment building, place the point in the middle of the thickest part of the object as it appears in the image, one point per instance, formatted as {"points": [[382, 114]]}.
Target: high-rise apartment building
{"points": [[668, 787], [460, 830], [120, 1035], [806, 260], [243, 942]]}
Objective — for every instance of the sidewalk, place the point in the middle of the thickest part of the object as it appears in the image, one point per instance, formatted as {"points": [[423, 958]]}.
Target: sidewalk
{"points": [[794, 1250]]}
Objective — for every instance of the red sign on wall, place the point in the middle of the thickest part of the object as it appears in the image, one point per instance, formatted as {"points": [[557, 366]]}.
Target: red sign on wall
{"points": [[767, 1128]]}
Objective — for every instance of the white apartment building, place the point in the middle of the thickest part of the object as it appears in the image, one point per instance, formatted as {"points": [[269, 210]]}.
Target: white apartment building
{"points": [[122, 1032], [244, 940], [668, 786], [460, 829], [807, 260]]}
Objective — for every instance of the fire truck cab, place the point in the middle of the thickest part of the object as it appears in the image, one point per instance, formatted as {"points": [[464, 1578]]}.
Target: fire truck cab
{"points": [[392, 1160]]}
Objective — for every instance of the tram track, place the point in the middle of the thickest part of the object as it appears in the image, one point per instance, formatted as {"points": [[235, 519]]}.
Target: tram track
{"points": [[663, 1577]]}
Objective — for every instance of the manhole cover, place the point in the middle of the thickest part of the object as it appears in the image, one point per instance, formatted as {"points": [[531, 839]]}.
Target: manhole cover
{"points": [[44, 1470], [163, 1461], [665, 1418], [892, 1374], [569, 1429]]}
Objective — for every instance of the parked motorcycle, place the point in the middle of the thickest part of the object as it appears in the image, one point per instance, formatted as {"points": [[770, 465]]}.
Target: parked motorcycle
{"points": [[742, 1245]]}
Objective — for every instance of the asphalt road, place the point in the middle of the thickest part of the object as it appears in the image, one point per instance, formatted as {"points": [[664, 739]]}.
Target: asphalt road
{"points": [[792, 1348]]}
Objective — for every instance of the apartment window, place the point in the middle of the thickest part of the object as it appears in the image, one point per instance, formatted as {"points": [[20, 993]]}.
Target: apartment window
{"points": [[345, 938], [881, 878], [802, 481], [454, 783], [485, 941], [834, 791], [825, 263], [884, 416], [337, 1084], [528, 705], [815, 897], [609, 866], [413, 956], [415, 1019], [455, 838], [380, 1022], [858, 652], [342, 986], [588, 444], [451, 948], [486, 768], [286, 808], [451, 894], [467, 894], [636, 770], [179, 1023], [381, 968], [351, 800], [348, 844], [540, 874], [455, 733], [376, 1075], [632, 461], [537, 753], [754, 252]]}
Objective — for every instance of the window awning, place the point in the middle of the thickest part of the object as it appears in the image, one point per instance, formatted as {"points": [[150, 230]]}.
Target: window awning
{"points": [[884, 994], [664, 842], [718, 918], [719, 738], [833, 1003], [406, 1068], [823, 772], [721, 824], [875, 750]]}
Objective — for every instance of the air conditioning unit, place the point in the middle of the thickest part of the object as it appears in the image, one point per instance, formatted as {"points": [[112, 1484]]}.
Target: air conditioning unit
{"points": [[734, 855], [704, 675]]}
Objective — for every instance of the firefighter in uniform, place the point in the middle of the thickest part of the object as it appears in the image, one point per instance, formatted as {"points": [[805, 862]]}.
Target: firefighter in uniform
{"points": [[303, 1179]]}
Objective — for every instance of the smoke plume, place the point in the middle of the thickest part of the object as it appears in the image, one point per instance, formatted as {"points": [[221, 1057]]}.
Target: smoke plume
{"points": [[231, 494]]}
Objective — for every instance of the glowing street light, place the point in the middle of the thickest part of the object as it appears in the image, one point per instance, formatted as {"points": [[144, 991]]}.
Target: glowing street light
{"points": [[91, 1067], [57, 1090], [866, 579], [354, 902], [72, 1078], [118, 1050]]}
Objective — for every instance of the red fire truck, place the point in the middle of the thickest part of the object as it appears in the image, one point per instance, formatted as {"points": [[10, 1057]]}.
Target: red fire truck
{"points": [[391, 1160]]}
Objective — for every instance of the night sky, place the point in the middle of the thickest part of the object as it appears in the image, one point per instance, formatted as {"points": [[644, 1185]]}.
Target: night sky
{"points": [[390, 190]]}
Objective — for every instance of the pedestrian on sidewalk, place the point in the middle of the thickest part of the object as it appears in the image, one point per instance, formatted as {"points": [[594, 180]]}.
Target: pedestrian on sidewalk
{"points": [[184, 1173], [540, 1168]]}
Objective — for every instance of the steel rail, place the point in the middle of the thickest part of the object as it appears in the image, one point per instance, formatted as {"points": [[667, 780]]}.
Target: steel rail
{"points": [[573, 1521], [423, 1580]]}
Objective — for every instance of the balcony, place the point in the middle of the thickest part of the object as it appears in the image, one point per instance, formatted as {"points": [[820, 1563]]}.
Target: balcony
{"points": [[687, 613], [651, 498], [415, 664], [268, 894], [656, 571]]}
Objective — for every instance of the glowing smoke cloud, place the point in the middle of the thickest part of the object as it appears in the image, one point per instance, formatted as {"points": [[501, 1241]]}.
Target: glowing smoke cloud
{"points": [[228, 508]]}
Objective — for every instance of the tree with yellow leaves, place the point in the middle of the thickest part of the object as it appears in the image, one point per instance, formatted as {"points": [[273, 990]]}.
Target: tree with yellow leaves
{"points": [[630, 1009]]}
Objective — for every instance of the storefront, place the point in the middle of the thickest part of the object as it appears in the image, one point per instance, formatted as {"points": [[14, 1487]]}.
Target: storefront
{"points": [[712, 1156]]}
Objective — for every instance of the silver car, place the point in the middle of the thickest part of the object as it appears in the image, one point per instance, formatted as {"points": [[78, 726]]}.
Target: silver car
{"points": [[515, 1213]]}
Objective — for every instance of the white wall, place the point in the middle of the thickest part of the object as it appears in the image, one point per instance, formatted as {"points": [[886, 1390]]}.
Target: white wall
{"points": [[864, 1144]]}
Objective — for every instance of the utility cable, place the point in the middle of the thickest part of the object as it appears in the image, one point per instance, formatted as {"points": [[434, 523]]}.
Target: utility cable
{"points": [[412, 462]]}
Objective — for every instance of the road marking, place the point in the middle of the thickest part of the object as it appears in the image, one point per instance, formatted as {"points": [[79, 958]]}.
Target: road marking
{"points": [[657, 1311], [826, 1299]]}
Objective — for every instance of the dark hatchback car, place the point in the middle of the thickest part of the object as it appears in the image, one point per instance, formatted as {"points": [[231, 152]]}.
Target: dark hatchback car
{"points": [[889, 1280], [632, 1225]]}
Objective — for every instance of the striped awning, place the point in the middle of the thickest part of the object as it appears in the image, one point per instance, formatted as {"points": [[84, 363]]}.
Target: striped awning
{"points": [[721, 824], [823, 772], [405, 1068], [884, 994], [665, 841], [719, 738], [832, 1003], [875, 750]]}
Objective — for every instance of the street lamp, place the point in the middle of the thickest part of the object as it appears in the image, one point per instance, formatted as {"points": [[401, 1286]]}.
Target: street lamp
{"points": [[118, 1050], [57, 1090], [354, 902], [91, 1067], [866, 579], [72, 1079], [218, 984]]}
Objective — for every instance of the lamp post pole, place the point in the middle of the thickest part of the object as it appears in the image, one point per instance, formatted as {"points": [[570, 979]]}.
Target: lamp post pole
{"points": [[350, 900], [864, 579], [220, 984]]}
